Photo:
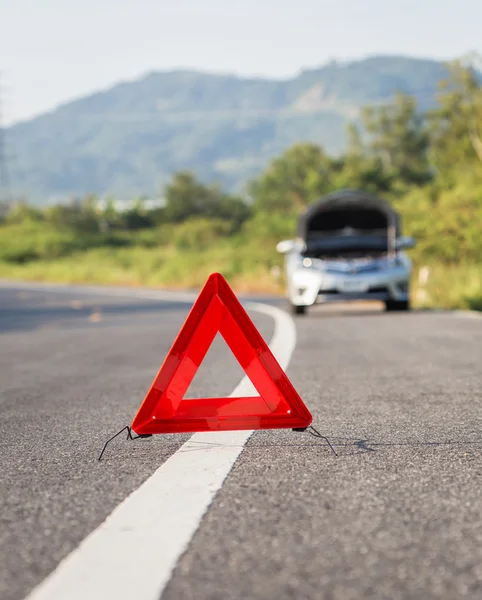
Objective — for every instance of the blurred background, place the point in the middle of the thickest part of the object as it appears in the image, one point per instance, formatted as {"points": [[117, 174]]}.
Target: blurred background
{"points": [[152, 143]]}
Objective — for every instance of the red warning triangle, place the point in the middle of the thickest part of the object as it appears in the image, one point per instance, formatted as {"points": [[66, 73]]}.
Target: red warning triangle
{"points": [[218, 310]]}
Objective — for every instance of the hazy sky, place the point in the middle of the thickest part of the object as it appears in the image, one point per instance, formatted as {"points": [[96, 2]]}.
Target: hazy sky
{"points": [[55, 50]]}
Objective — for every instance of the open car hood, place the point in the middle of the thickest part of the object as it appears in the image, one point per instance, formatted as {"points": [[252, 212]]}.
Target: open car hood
{"points": [[349, 222]]}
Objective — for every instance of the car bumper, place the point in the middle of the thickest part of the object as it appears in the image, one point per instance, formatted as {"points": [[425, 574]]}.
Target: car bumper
{"points": [[308, 287]]}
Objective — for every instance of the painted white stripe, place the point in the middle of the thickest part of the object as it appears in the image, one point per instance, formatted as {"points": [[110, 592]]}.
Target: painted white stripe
{"points": [[133, 553]]}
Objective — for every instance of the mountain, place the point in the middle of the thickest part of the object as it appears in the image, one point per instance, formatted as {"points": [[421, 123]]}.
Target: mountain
{"points": [[129, 139]]}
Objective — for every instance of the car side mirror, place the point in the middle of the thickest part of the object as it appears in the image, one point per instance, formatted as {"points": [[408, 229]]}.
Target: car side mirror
{"points": [[405, 242], [285, 246]]}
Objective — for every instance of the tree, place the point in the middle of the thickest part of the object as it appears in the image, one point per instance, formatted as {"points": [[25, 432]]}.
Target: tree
{"points": [[80, 215], [456, 125], [398, 137], [20, 212], [293, 180], [359, 168], [186, 198]]}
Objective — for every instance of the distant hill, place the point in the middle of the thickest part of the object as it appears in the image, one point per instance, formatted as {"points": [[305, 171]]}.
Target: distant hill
{"points": [[129, 139]]}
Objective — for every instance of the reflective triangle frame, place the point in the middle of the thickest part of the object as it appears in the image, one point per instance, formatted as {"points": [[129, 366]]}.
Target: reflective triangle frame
{"points": [[218, 310]]}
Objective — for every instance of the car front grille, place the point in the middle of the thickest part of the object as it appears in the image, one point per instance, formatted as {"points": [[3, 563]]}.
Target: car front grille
{"points": [[372, 268], [373, 290]]}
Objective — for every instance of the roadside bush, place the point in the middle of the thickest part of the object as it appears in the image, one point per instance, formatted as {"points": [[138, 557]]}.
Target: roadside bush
{"points": [[199, 233], [23, 243], [445, 223]]}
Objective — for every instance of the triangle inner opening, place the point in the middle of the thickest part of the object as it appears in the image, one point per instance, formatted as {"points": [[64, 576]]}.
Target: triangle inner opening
{"points": [[218, 374]]}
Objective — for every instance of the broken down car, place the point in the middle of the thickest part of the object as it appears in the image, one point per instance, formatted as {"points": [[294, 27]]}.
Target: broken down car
{"points": [[348, 247]]}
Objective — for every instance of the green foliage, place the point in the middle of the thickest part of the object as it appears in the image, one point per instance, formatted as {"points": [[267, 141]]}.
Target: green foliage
{"points": [[365, 173], [187, 198], [456, 125], [23, 213], [293, 180], [80, 216], [445, 222], [428, 164], [27, 241], [395, 154], [269, 228], [24, 242], [199, 234], [399, 139], [453, 287]]}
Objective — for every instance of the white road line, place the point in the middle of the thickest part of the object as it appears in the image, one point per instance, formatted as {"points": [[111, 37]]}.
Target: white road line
{"points": [[133, 553]]}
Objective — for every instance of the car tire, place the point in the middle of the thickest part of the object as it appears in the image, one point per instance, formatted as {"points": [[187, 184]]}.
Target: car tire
{"points": [[298, 310], [397, 305]]}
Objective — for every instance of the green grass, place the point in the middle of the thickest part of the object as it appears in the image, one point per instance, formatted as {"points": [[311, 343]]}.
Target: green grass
{"points": [[451, 287], [185, 255], [246, 265], [195, 250]]}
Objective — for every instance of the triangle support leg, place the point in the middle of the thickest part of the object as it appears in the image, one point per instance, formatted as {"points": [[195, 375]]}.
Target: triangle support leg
{"points": [[314, 432], [129, 437]]}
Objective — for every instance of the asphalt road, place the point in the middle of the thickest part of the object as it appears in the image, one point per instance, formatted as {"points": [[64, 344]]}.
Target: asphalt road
{"points": [[397, 514]]}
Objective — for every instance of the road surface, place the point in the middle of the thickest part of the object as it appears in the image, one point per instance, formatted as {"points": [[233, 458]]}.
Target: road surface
{"points": [[275, 515]]}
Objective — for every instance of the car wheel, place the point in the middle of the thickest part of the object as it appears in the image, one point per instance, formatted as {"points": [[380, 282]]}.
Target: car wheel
{"points": [[397, 305], [298, 310]]}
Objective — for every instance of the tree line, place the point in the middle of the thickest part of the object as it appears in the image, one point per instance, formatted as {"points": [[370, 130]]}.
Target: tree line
{"points": [[393, 148], [429, 164]]}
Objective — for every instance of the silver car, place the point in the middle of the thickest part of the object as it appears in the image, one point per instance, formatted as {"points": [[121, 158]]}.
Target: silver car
{"points": [[348, 247]]}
